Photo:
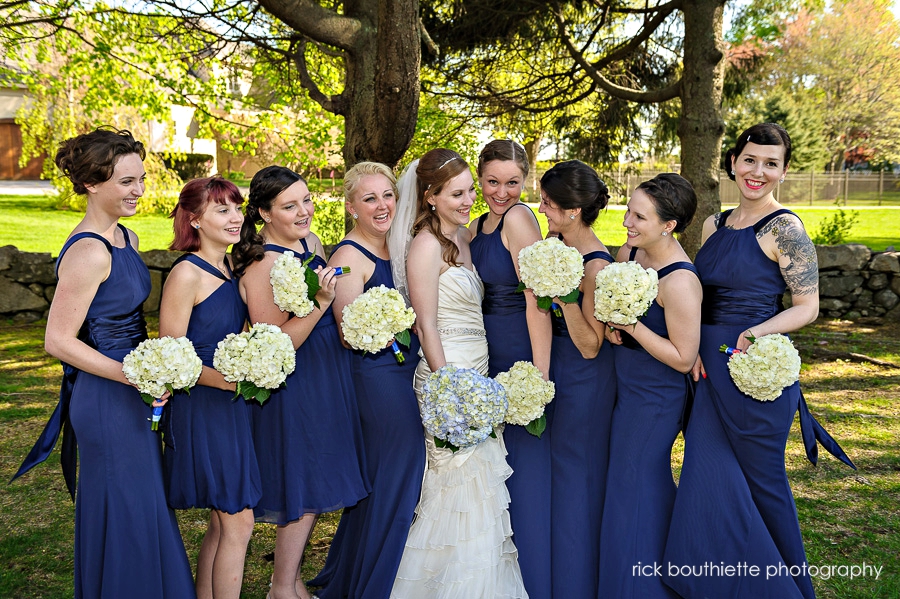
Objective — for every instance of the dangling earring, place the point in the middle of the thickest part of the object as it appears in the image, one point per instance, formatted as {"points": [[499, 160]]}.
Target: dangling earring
{"points": [[432, 207], [732, 172], [665, 233], [355, 216]]}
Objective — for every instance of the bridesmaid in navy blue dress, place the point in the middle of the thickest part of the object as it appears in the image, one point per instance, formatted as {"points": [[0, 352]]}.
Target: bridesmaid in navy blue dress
{"points": [[210, 459], [127, 542], [734, 504], [653, 358], [366, 550], [516, 330], [582, 367], [307, 435]]}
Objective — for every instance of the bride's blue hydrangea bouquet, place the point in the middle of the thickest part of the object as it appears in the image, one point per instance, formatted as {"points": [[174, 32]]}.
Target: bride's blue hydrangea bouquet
{"points": [[460, 407]]}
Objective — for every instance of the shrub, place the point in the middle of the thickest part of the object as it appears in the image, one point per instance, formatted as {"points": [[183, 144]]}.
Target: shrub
{"points": [[188, 166], [328, 221], [834, 229]]}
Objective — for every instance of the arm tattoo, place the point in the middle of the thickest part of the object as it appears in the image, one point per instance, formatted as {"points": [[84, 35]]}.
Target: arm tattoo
{"points": [[802, 273]]}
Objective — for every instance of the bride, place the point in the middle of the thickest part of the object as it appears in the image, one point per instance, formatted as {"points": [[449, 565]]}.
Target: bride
{"points": [[460, 544]]}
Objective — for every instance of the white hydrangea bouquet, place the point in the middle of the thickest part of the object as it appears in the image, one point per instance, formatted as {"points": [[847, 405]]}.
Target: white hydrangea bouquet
{"points": [[258, 360], [159, 365], [770, 364], [624, 292], [460, 407], [294, 284], [377, 318], [551, 269], [528, 393]]}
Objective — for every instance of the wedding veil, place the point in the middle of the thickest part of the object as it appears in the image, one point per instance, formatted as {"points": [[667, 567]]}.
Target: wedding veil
{"points": [[400, 234]]}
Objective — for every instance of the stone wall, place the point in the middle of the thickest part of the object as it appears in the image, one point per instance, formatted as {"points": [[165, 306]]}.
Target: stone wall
{"points": [[28, 280], [854, 283]]}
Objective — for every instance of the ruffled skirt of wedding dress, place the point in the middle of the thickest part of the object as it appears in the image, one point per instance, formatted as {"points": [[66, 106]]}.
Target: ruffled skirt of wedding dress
{"points": [[460, 544]]}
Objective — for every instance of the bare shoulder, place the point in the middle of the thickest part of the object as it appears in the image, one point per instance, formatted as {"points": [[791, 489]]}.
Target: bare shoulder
{"points": [[425, 243], [315, 244], [87, 256], [624, 253], [133, 240], [184, 274]]}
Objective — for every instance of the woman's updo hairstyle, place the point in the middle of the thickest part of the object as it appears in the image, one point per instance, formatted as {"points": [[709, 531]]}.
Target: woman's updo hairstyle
{"points": [[503, 149], [763, 134], [673, 197], [265, 186], [90, 158], [364, 169], [573, 184], [192, 202], [435, 169]]}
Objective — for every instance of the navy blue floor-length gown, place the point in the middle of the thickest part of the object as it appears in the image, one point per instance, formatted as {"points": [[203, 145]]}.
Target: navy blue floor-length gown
{"points": [[366, 550], [734, 504], [127, 542], [528, 456], [579, 420], [210, 458], [307, 435], [640, 489]]}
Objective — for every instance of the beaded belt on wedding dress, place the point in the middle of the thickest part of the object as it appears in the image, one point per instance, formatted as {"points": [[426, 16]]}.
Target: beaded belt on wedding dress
{"points": [[462, 331]]}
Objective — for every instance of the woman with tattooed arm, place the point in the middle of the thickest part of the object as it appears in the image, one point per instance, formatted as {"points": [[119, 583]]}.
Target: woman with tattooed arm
{"points": [[734, 506]]}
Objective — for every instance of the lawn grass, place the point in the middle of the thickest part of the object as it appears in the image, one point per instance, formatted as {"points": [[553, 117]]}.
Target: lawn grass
{"points": [[31, 224], [847, 517]]}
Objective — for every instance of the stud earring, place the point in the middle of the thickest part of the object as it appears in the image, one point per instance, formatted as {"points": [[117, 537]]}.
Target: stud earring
{"points": [[781, 180], [355, 216], [267, 220], [572, 216], [665, 233], [196, 226]]}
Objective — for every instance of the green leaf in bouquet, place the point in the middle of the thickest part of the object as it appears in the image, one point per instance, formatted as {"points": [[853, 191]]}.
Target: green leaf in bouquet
{"points": [[537, 426], [403, 338], [521, 287], [571, 297], [545, 303], [312, 281], [249, 391], [148, 399], [445, 444]]}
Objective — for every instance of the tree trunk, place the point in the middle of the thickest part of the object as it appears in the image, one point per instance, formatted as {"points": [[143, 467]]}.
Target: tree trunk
{"points": [[381, 92], [532, 147], [701, 127]]}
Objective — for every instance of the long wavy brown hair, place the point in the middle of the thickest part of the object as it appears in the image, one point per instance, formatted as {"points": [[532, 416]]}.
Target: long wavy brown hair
{"points": [[435, 169]]}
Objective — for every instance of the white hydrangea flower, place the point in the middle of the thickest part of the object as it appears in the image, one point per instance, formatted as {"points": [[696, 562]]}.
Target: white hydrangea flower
{"points": [[258, 360], [158, 365], [460, 406], [288, 278], [550, 269], [770, 364], [624, 292], [528, 393], [374, 318]]}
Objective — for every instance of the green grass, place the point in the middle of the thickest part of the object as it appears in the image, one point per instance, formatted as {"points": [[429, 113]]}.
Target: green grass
{"points": [[31, 224], [846, 517]]}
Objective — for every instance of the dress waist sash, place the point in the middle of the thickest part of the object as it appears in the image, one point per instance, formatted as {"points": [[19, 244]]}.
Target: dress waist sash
{"points": [[722, 305], [502, 299], [102, 334]]}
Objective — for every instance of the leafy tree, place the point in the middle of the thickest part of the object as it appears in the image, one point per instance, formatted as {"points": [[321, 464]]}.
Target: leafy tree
{"points": [[624, 59], [846, 60]]}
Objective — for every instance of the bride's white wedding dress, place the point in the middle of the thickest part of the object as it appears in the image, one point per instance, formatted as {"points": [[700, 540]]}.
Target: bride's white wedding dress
{"points": [[460, 545]]}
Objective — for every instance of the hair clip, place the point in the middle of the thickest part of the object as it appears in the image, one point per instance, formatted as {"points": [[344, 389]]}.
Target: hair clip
{"points": [[446, 162]]}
